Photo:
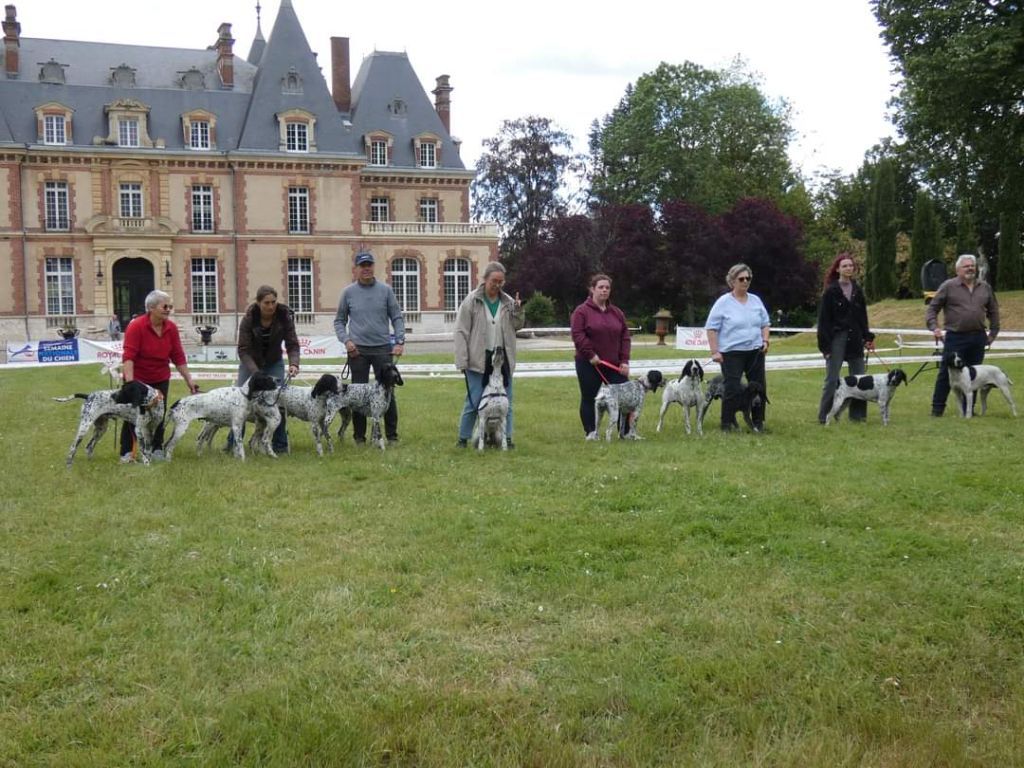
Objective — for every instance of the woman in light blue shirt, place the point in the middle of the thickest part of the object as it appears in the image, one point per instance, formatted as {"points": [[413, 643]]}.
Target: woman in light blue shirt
{"points": [[737, 330]]}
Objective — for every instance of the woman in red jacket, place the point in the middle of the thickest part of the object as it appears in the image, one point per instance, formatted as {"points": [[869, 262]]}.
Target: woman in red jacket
{"points": [[151, 344], [601, 336]]}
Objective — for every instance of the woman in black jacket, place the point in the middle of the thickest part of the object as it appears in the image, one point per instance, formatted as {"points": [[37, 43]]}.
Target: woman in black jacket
{"points": [[842, 332], [265, 325]]}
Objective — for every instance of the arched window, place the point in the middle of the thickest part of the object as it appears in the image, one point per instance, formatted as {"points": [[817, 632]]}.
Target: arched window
{"points": [[405, 282], [456, 283]]}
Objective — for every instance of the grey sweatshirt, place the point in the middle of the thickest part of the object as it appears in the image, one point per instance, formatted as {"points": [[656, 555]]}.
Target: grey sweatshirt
{"points": [[366, 315]]}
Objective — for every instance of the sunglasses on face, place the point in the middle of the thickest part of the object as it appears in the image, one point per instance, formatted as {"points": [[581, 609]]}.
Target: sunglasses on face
{"points": [[167, 307], [744, 279]]}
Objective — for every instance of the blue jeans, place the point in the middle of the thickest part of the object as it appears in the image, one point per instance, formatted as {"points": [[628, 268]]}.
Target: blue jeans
{"points": [[279, 442], [475, 384], [971, 347]]}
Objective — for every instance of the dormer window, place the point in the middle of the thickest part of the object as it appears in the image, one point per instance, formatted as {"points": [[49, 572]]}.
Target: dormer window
{"points": [[292, 83], [378, 147], [128, 132], [193, 80], [427, 147], [54, 123], [52, 72], [199, 129], [296, 137], [297, 131], [53, 130], [123, 76], [428, 155], [398, 107], [199, 135], [127, 124]]}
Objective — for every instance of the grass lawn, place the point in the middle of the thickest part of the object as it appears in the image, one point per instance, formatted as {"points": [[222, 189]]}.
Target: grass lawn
{"points": [[842, 596]]}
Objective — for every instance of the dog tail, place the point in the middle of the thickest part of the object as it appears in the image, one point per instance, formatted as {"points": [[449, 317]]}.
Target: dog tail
{"points": [[69, 398]]}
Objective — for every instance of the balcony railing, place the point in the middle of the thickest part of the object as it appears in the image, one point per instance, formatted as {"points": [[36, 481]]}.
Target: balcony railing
{"points": [[426, 229]]}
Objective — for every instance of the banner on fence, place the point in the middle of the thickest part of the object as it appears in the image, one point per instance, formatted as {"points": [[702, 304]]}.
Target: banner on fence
{"points": [[692, 338], [81, 350]]}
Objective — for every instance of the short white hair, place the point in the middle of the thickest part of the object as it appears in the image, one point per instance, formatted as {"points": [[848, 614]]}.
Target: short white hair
{"points": [[964, 258], [156, 297]]}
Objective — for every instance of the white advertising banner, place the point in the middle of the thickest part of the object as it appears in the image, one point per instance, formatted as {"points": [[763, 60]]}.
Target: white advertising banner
{"points": [[695, 339], [81, 350]]}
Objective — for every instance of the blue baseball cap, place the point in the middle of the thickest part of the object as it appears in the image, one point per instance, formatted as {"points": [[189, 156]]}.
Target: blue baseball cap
{"points": [[365, 257]]}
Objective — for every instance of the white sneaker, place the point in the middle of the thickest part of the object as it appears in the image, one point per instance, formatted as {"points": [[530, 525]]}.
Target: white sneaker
{"points": [[127, 459], [157, 455], [591, 436]]}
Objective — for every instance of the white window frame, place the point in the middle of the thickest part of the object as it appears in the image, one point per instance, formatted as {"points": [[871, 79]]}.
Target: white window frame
{"points": [[428, 154], [429, 210], [199, 134], [296, 137], [56, 209], [456, 283], [60, 285], [55, 129], [298, 210], [380, 209], [130, 200], [300, 285], [405, 282], [203, 272], [379, 152], [127, 132], [202, 208]]}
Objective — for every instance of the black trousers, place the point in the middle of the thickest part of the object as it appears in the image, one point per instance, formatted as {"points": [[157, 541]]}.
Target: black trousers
{"points": [[590, 381], [736, 365], [128, 430], [375, 358]]}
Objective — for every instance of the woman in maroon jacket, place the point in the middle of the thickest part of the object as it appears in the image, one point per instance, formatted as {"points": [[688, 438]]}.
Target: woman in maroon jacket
{"points": [[601, 336]]}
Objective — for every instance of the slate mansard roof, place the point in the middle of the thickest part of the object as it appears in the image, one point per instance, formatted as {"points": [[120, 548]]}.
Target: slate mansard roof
{"points": [[245, 114]]}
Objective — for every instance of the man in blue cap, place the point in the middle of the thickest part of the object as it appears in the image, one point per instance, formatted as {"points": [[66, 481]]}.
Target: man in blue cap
{"points": [[368, 313]]}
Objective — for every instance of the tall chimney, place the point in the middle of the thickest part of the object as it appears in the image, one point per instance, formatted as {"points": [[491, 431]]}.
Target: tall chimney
{"points": [[443, 102], [341, 84], [225, 56], [12, 42]]}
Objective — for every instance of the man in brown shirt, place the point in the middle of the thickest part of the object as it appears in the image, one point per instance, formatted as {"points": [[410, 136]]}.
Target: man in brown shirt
{"points": [[966, 303]]}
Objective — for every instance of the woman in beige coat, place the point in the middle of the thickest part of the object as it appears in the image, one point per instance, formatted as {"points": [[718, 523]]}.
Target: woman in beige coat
{"points": [[488, 319]]}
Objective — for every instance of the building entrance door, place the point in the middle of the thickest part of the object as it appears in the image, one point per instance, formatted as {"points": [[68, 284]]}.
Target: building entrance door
{"points": [[133, 279]]}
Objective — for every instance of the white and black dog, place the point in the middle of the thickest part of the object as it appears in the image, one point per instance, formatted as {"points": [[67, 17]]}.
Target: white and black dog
{"points": [[966, 380], [136, 403], [256, 400], [753, 400], [879, 388], [492, 410], [371, 400], [688, 391], [310, 404], [626, 399]]}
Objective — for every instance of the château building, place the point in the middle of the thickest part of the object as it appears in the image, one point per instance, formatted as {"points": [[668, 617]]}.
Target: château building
{"points": [[128, 168]]}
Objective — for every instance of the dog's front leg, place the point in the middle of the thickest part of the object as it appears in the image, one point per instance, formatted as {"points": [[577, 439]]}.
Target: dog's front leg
{"points": [[666, 401]]}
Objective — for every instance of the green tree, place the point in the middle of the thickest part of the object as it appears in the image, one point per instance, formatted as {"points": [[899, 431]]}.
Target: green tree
{"points": [[684, 132], [521, 182], [883, 225], [1008, 267], [966, 236], [962, 69], [926, 242]]}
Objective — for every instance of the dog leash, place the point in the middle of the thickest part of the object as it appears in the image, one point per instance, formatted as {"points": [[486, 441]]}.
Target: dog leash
{"points": [[925, 364], [879, 359], [282, 388], [606, 364]]}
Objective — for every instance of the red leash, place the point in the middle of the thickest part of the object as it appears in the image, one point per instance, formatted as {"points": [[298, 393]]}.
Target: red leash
{"points": [[606, 364]]}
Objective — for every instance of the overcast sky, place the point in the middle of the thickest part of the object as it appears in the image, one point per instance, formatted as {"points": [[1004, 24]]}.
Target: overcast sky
{"points": [[566, 60]]}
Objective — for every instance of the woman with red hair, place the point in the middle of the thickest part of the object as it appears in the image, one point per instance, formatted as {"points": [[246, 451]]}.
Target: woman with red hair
{"points": [[842, 332]]}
